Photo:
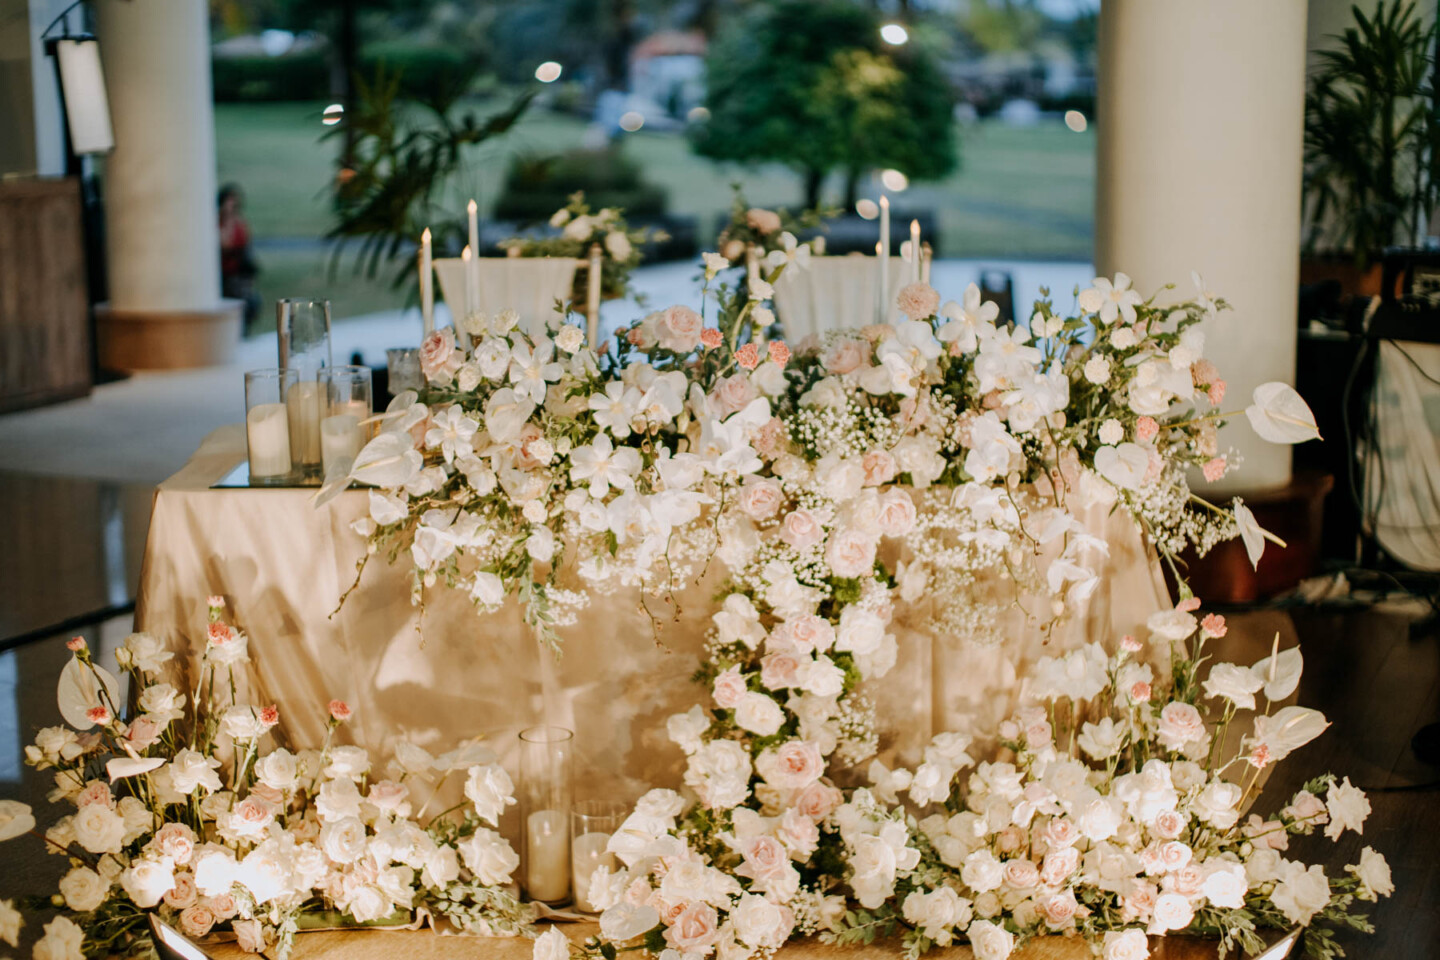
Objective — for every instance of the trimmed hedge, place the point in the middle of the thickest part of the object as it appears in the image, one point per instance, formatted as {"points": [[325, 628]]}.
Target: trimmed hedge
{"points": [[535, 187], [306, 76]]}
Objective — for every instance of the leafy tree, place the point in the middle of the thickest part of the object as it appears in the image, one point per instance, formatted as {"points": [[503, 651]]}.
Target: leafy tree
{"points": [[810, 84]]}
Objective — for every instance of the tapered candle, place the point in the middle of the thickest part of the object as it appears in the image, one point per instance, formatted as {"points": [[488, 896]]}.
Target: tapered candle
{"points": [[427, 285], [472, 296], [879, 286], [884, 259], [472, 212], [914, 251]]}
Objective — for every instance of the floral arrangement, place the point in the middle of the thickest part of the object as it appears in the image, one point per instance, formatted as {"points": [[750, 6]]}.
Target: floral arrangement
{"points": [[187, 809], [579, 229], [1110, 811]]}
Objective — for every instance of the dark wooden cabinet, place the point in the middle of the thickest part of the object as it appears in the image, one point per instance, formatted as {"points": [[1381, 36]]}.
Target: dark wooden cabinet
{"points": [[45, 338]]}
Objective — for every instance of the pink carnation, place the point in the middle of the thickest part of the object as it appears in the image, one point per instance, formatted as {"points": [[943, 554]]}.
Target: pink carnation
{"points": [[779, 353], [1217, 392], [270, 715], [1214, 625], [711, 338], [1146, 428], [918, 300], [1214, 469], [1129, 644], [75, 644], [1189, 604], [748, 356], [339, 710], [215, 601]]}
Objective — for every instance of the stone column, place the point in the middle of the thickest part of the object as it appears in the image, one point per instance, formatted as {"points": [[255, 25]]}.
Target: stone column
{"points": [[1200, 117], [165, 307]]}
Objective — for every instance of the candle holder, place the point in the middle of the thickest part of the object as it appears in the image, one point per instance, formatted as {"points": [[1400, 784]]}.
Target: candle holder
{"points": [[303, 330], [592, 822], [545, 758], [403, 367], [267, 426], [347, 393]]}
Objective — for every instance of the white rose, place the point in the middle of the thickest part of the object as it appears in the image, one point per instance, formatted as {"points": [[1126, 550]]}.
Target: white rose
{"points": [[348, 763], [1225, 885], [552, 944], [62, 941], [190, 771], [759, 714], [98, 828], [83, 889], [488, 857], [821, 677], [1101, 740], [146, 881], [937, 913], [990, 941], [685, 729], [1374, 875], [1217, 804], [146, 652], [860, 632], [1348, 807], [1301, 893], [1172, 912], [343, 840], [490, 788], [1129, 944], [982, 872], [719, 773], [278, 770], [760, 923]]}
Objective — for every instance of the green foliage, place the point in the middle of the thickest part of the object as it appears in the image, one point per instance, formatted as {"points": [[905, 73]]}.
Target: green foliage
{"points": [[1371, 134], [537, 186], [810, 85], [401, 162], [420, 72]]}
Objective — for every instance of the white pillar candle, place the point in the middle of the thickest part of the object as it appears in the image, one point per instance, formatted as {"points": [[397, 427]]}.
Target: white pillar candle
{"points": [[267, 432], [339, 439], [914, 251], [884, 255], [427, 285], [588, 854], [547, 856], [303, 403]]}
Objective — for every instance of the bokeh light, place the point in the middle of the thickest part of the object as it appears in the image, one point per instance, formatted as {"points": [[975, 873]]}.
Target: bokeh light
{"points": [[894, 34], [867, 209], [548, 72], [631, 120], [698, 114], [894, 180], [1076, 121], [333, 114]]}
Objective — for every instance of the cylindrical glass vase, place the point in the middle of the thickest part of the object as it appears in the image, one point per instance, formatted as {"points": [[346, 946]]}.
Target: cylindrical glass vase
{"points": [[592, 823], [267, 425], [545, 761], [403, 366], [303, 329], [347, 397]]}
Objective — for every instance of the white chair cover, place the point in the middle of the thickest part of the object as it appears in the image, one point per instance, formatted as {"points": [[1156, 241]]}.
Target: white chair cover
{"points": [[835, 293], [528, 285], [1403, 479]]}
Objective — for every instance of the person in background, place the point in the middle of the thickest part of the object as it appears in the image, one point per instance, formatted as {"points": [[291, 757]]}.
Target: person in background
{"points": [[237, 266]]}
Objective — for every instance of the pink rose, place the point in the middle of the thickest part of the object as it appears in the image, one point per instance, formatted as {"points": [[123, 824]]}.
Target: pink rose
{"points": [[1060, 910], [438, 357], [387, 795], [182, 894], [196, 920], [96, 791], [268, 793], [793, 765], [765, 857], [174, 840], [798, 832], [1021, 874], [897, 513], [695, 928], [222, 906], [760, 499], [1010, 839], [818, 800], [801, 530], [1174, 855], [679, 329], [763, 222], [811, 632], [851, 553], [1188, 880], [1180, 723], [879, 467], [733, 393], [1060, 832], [1168, 824], [249, 935], [847, 356], [769, 439], [779, 671], [729, 689], [1058, 865], [918, 300], [1139, 902]]}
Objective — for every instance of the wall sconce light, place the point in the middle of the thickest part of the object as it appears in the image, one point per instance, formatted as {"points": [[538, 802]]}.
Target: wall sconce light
{"points": [[82, 86]]}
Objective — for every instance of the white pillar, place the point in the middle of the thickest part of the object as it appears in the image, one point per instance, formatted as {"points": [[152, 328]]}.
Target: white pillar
{"points": [[1200, 116], [161, 230]]}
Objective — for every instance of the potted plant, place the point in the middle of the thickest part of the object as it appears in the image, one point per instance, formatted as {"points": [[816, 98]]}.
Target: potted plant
{"points": [[1370, 133]]}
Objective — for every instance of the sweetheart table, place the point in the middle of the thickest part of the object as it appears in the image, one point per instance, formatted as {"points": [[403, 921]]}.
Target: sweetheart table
{"points": [[282, 564]]}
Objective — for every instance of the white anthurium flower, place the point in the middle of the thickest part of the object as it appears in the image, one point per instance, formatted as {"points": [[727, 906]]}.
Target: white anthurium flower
{"points": [[1125, 465], [390, 460], [1287, 730], [626, 921], [80, 688], [15, 819], [1280, 415], [506, 414], [1111, 300], [615, 408], [1280, 673], [121, 767], [452, 431], [604, 466], [531, 370], [1252, 534], [969, 322]]}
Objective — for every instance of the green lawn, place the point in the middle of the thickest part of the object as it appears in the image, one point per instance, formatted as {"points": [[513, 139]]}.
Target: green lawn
{"points": [[1021, 192]]}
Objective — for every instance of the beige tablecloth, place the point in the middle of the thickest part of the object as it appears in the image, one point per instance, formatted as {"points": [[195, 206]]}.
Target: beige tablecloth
{"points": [[282, 564]]}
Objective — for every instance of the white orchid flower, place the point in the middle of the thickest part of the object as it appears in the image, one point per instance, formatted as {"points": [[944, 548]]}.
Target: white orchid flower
{"points": [[969, 321], [506, 413], [1280, 415], [1111, 300], [604, 466], [531, 370], [452, 431]]}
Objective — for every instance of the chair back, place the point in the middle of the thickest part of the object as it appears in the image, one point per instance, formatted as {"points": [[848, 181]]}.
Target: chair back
{"points": [[528, 285], [835, 293]]}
